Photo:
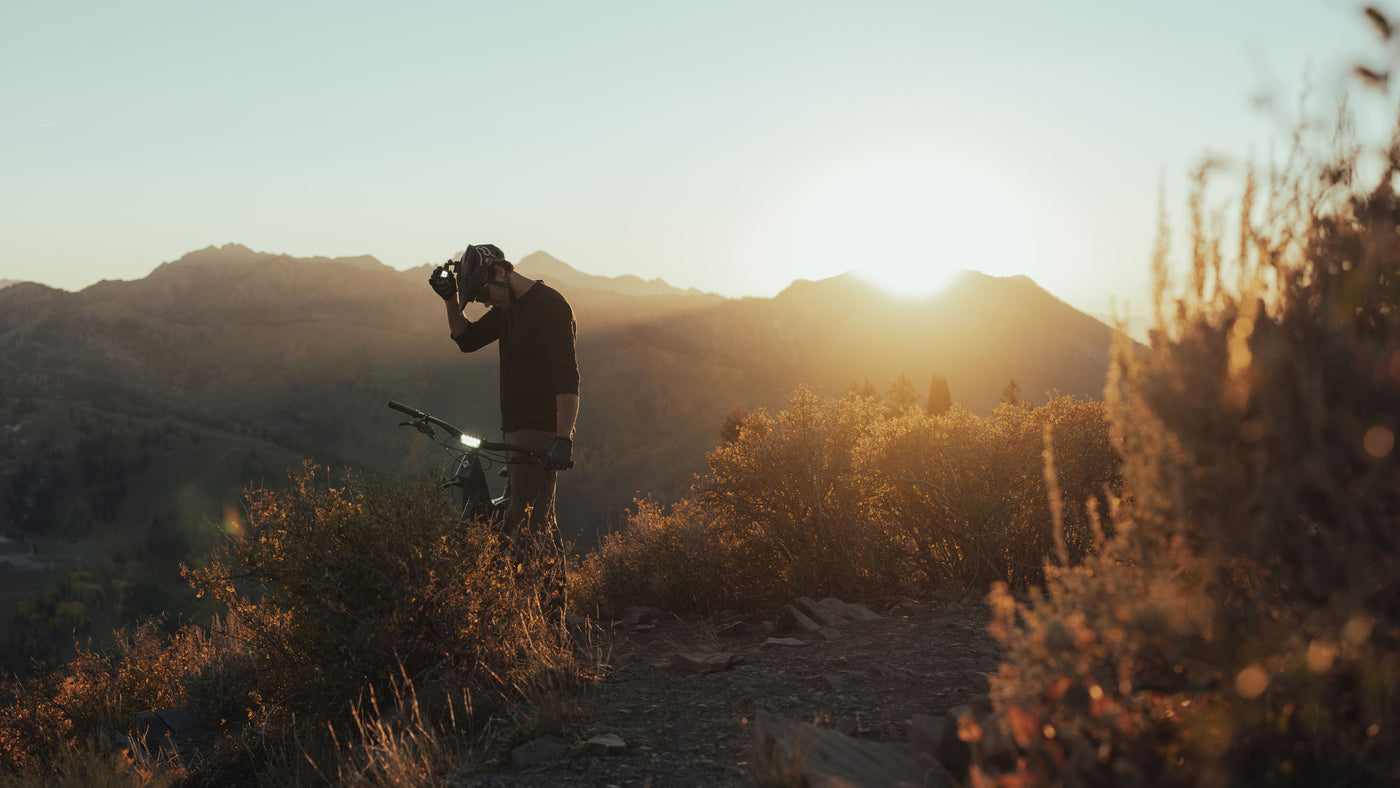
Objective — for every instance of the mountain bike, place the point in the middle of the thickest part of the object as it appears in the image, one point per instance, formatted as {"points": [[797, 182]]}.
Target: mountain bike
{"points": [[467, 488]]}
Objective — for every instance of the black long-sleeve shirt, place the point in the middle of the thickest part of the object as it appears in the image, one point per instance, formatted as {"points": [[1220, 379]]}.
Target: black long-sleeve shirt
{"points": [[538, 362]]}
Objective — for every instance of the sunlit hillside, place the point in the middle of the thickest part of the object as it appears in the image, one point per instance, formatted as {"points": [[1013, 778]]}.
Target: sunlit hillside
{"points": [[251, 361]]}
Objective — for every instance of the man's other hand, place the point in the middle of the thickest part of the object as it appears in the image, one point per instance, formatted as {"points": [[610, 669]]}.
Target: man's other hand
{"points": [[443, 283], [560, 454]]}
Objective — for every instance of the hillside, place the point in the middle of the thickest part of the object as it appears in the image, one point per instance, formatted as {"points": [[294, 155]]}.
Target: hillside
{"points": [[298, 356], [303, 352]]}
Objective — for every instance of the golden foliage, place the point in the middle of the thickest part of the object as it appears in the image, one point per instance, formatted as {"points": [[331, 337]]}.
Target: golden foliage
{"points": [[1243, 626]]}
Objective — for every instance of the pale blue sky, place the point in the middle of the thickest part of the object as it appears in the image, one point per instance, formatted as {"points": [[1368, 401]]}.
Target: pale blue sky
{"points": [[729, 146]]}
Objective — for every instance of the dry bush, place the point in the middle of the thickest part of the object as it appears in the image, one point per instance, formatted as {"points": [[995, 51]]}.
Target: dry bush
{"points": [[966, 496], [336, 595], [683, 559], [53, 717], [796, 493], [1243, 627], [840, 496], [339, 590]]}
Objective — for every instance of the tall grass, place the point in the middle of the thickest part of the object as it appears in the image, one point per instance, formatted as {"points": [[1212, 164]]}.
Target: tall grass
{"points": [[337, 597], [1243, 626]]}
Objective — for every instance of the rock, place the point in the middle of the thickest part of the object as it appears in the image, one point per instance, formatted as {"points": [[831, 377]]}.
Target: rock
{"points": [[731, 629], [606, 744], [818, 756], [540, 751], [820, 613], [640, 615], [859, 612], [925, 732], [831, 633], [692, 662], [966, 720], [151, 731], [835, 605], [767, 627], [784, 642], [977, 679], [181, 723], [802, 621], [907, 607]]}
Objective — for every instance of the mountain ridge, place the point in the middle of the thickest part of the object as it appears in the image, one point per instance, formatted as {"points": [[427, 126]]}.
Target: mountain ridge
{"points": [[304, 351]]}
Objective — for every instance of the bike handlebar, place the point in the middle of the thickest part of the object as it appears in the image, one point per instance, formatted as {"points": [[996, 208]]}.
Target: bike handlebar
{"points": [[419, 415]]}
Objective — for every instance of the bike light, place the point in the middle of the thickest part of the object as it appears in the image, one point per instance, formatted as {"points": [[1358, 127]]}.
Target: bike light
{"points": [[470, 442]]}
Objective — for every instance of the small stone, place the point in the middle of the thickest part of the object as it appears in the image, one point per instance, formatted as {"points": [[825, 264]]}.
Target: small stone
{"points": [[640, 615], [831, 633], [606, 744], [784, 642], [731, 629], [692, 662], [539, 751]]}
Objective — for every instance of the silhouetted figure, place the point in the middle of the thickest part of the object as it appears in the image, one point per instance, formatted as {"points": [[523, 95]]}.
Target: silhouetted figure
{"points": [[534, 330]]}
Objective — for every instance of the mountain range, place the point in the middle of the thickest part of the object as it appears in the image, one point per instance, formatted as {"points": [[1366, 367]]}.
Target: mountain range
{"points": [[303, 352], [134, 413]]}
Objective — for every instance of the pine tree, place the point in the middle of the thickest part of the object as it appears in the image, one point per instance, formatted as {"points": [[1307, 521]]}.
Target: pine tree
{"points": [[1011, 395], [902, 395], [939, 398]]}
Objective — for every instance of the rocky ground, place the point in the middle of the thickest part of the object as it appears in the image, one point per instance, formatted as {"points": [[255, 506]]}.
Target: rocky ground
{"points": [[656, 719]]}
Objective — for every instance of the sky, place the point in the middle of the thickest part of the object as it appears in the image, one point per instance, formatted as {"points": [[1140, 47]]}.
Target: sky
{"points": [[727, 146]]}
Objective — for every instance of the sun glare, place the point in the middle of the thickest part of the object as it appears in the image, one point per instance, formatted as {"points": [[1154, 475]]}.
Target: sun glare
{"points": [[910, 224]]}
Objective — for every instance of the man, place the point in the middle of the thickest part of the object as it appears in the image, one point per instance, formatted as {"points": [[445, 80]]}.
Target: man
{"points": [[534, 330]]}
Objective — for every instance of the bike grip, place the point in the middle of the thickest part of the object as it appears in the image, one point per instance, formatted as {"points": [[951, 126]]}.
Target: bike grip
{"points": [[402, 408]]}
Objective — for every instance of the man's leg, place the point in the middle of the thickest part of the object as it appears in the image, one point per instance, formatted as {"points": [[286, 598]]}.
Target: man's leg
{"points": [[530, 519]]}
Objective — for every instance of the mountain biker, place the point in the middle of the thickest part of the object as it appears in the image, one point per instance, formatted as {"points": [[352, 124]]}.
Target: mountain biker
{"points": [[534, 330]]}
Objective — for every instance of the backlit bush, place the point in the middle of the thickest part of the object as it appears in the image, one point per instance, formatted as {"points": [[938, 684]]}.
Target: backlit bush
{"points": [[340, 589], [841, 496], [683, 559], [966, 496], [1244, 625], [335, 596]]}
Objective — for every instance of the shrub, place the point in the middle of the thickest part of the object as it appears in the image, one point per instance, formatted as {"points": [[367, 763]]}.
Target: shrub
{"points": [[335, 596], [338, 590], [795, 492], [842, 497], [684, 560], [967, 498], [1243, 627], [58, 712]]}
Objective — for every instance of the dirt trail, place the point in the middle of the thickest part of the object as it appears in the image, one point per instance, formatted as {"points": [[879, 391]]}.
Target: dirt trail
{"points": [[690, 729]]}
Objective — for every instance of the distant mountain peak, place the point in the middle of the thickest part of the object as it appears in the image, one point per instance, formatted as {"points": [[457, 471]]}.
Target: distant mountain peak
{"points": [[231, 254], [548, 267]]}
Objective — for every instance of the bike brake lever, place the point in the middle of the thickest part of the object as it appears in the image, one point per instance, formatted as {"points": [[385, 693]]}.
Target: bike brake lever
{"points": [[421, 426]]}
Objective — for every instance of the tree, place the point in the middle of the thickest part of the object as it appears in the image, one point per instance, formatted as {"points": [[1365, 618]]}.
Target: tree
{"points": [[939, 398], [733, 424], [1011, 395], [902, 396], [863, 390]]}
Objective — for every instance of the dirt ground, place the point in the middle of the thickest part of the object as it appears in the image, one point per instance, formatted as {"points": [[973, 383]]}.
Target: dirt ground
{"points": [[683, 728]]}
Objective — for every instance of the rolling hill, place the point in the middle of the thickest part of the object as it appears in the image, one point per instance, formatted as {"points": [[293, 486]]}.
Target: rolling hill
{"points": [[268, 358]]}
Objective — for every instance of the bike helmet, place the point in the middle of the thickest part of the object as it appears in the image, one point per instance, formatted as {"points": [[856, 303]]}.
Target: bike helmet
{"points": [[476, 266]]}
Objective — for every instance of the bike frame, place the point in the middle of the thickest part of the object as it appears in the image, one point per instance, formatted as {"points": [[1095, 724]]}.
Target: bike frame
{"points": [[471, 456]]}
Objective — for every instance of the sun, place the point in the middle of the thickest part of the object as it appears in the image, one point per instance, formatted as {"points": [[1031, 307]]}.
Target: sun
{"points": [[911, 224]]}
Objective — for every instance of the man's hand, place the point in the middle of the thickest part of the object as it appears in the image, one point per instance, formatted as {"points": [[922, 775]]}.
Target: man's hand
{"points": [[560, 454], [443, 283]]}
